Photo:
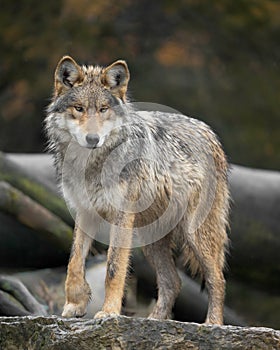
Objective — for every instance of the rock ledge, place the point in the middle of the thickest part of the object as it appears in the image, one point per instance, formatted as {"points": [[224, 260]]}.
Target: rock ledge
{"points": [[53, 333]]}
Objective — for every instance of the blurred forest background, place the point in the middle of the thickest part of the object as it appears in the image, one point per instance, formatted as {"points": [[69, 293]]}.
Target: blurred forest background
{"points": [[215, 60]]}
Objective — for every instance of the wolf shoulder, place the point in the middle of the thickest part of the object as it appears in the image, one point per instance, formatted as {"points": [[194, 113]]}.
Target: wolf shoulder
{"points": [[170, 127]]}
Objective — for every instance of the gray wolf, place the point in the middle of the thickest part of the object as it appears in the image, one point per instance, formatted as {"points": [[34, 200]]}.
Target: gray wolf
{"points": [[172, 171]]}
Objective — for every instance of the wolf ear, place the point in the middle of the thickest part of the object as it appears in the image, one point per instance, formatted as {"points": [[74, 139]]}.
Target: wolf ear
{"points": [[116, 77], [67, 74]]}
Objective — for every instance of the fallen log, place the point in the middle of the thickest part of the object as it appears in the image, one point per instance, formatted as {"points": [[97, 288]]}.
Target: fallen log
{"points": [[35, 216], [37, 187], [16, 300], [255, 229], [37, 166]]}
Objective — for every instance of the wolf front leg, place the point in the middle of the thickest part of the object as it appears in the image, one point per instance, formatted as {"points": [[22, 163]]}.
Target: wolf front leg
{"points": [[117, 264], [77, 289]]}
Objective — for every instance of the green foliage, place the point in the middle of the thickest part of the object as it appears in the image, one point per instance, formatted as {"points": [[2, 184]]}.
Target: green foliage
{"points": [[216, 60]]}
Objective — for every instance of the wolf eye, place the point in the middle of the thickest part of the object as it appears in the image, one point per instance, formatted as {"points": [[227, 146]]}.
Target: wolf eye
{"points": [[79, 109], [103, 109]]}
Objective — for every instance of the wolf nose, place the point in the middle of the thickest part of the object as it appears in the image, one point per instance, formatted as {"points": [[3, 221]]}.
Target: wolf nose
{"points": [[92, 140]]}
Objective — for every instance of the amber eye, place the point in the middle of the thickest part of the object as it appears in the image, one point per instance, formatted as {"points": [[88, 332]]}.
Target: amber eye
{"points": [[103, 109], [79, 109]]}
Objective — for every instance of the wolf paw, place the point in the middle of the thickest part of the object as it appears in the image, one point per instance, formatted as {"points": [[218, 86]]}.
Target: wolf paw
{"points": [[160, 315], [73, 310], [103, 314]]}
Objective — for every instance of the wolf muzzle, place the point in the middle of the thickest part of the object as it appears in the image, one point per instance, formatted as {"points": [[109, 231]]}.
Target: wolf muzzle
{"points": [[92, 140]]}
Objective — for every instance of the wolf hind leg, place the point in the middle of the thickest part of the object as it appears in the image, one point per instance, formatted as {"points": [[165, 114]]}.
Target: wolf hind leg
{"points": [[215, 284], [77, 290], [210, 254], [159, 255]]}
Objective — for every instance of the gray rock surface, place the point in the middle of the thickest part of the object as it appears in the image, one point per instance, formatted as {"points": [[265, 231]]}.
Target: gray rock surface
{"points": [[118, 333]]}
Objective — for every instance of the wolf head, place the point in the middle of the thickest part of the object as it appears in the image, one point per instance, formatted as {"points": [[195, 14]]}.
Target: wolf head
{"points": [[88, 100]]}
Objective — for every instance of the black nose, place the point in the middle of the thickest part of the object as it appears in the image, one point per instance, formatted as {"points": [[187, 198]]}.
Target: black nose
{"points": [[92, 140]]}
